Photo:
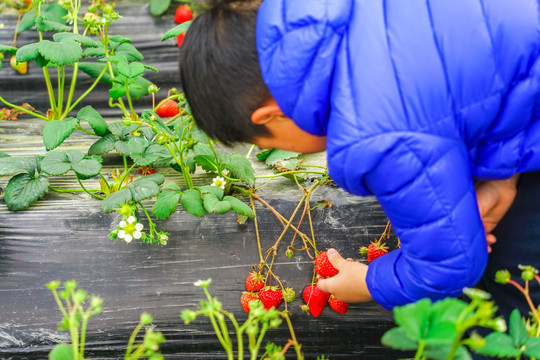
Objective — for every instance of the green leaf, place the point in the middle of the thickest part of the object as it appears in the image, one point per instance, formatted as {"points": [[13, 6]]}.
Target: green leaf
{"points": [[158, 7], [207, 163], [13, 165], [143, 189], [397, 338], [95, 120], [441, 333], [192, 202], [122, 146], [116, 200], [86, 168], [48, 25], [532, 348], [60, 162], [209, 189], [120, 130], [500, 345], [103, 145], [81, 39], [130, 70], [277, 155], [3, 154], [56, 163], [66, 52], [177, 30], [263, 155], [167, 201], [158, 179], [119, 39], [151, 68], [239, 206], [413, 318], [441, 352], [8, 49], [94, 69], [240, 168], [54, 12], [24, 189], [141, 89], [61, 352], [129, 51], [213, 205], [28, 52], [517, 329], [27, 21], [93, 51], [447, 309], [55, 132], [117, 91]]}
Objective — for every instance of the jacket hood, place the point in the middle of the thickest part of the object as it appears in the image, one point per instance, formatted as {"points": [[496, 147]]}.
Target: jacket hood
{"points": [[297, 47]]}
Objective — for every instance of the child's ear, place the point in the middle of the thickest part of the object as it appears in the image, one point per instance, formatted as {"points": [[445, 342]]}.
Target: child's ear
{"points": [[267, 112]]}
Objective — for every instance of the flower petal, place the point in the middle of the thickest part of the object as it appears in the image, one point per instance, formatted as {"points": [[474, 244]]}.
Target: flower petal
{"points": [[131, 219], [121, 234], [139, 227], [128, 238], [137, 235]]}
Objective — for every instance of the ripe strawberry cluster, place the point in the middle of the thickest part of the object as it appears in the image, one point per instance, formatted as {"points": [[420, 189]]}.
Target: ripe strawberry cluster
{"points": [[270, 296], [316, 299]]}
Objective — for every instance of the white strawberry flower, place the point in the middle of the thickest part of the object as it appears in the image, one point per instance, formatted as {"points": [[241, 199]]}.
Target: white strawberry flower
{"points": [[130, 229], [219, 182]]}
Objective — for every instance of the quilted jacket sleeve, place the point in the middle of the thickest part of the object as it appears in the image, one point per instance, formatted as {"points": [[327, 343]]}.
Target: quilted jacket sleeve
{"points": [[424, 185]]}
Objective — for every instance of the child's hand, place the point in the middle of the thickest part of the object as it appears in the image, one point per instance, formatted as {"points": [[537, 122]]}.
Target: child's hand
{"points": [[494, 199], [349, 284]]}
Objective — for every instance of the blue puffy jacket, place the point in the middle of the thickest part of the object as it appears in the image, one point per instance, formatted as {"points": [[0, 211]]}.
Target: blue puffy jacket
{"points": [[417, 99]]}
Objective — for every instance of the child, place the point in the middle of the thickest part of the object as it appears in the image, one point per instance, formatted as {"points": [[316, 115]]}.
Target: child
{"points": [[413, 101]]}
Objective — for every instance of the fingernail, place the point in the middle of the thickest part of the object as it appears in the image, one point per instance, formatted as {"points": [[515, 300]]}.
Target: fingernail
{"points": [[331, 252]]}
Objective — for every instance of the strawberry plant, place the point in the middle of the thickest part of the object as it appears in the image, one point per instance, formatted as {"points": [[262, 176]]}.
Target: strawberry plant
{"points": [[442, 330], [71, 301], [259, 321]]}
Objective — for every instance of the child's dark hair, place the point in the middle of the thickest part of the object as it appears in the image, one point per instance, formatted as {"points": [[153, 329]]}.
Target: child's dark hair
{"points": [[220, 73]]}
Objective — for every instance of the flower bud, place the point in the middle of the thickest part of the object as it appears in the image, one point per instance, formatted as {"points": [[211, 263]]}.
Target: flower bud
{"points": [[289, 253], [502, 276], [146, 318], [53, 285], [152, 89], [188, 316]]}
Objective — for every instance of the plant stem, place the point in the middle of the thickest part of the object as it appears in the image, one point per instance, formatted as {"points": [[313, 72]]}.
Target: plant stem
{"points": [[73, 331], [126, 172], [61, 81], [256, 229], [69, 107], [70, 190], [128, 96], [290, 173], [250, 151], [84, 324], [79, 127], [132, 338], [239, 332], [86, 191], [23, 109], [255, 350], [420, 350], [297, 346], [59, 303]]}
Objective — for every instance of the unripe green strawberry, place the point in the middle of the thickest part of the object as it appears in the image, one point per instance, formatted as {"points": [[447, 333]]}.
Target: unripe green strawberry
{"points": [[254, 282], [323, 266], [289, 295], [270, 296]]}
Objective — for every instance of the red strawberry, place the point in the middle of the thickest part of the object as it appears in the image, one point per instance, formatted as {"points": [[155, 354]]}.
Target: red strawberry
{"points": [[180, 39], [323, 266], [270, 296], [167, 108], [183, 14], [315, 298], [254, 282], [374, 250], [339, 306], [246, 298]]}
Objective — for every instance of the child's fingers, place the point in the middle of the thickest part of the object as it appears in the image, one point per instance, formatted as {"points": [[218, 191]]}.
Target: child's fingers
{"points": [[335, 259]]}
